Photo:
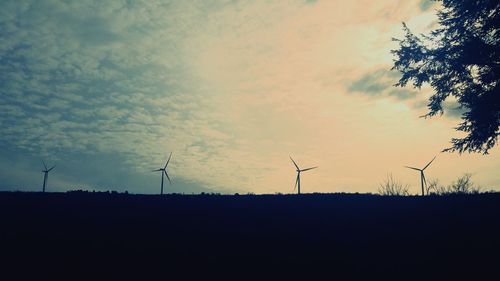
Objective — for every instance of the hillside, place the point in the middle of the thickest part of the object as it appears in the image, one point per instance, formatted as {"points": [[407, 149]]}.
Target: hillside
{"points": [[350, 235]]}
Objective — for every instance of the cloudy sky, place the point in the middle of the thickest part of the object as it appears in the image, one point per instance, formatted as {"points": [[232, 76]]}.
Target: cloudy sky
{"points": [[107, 89]]}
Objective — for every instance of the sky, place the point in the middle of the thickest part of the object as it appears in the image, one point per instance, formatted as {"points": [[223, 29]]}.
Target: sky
{"points": [[106, 90]]}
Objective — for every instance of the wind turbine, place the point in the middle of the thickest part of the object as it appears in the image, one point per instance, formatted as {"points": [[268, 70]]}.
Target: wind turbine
{"points": [[164, 173], [297, 182], [46, 175], [422, 176]]}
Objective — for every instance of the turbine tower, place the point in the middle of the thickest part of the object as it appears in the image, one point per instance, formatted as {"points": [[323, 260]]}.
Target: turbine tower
{"points": [[46, 175], [297, 182], [422, 176], [164, 173]]}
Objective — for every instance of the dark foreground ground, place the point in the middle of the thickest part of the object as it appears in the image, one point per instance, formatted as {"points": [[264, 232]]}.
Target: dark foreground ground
{"points": [[336, 236]]}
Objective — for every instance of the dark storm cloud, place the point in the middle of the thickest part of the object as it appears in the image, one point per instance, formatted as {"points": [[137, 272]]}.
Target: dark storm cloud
{"points": [[370, 84], [425, 4], [380, 83], [451, 108]]}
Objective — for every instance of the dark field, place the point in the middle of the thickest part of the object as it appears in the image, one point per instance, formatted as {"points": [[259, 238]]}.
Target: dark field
{"points": [[338, 236]]}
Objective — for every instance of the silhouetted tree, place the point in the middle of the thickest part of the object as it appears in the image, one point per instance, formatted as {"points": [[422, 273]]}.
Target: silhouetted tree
{"points": [[460, 58]]}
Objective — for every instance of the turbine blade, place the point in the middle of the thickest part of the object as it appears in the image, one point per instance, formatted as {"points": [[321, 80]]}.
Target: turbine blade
{"points": [[429, 163], [157, 170], [168, 160], [51, 168], [167, 177], [425, 181], [296, 182], [43, 162], [309, 169], [296, 166], [412, 168]]}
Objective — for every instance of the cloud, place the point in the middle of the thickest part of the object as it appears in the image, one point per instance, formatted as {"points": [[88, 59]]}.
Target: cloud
{"points": [[402, 94], [371, 84], [426, 4], [231, 87], [452, 109], [380, 83], [94, 78]]}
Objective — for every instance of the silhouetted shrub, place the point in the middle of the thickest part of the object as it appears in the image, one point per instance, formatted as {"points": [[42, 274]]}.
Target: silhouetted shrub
{"points": [[392, 187], [435, 188], [77, 191], [463, 185]]}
